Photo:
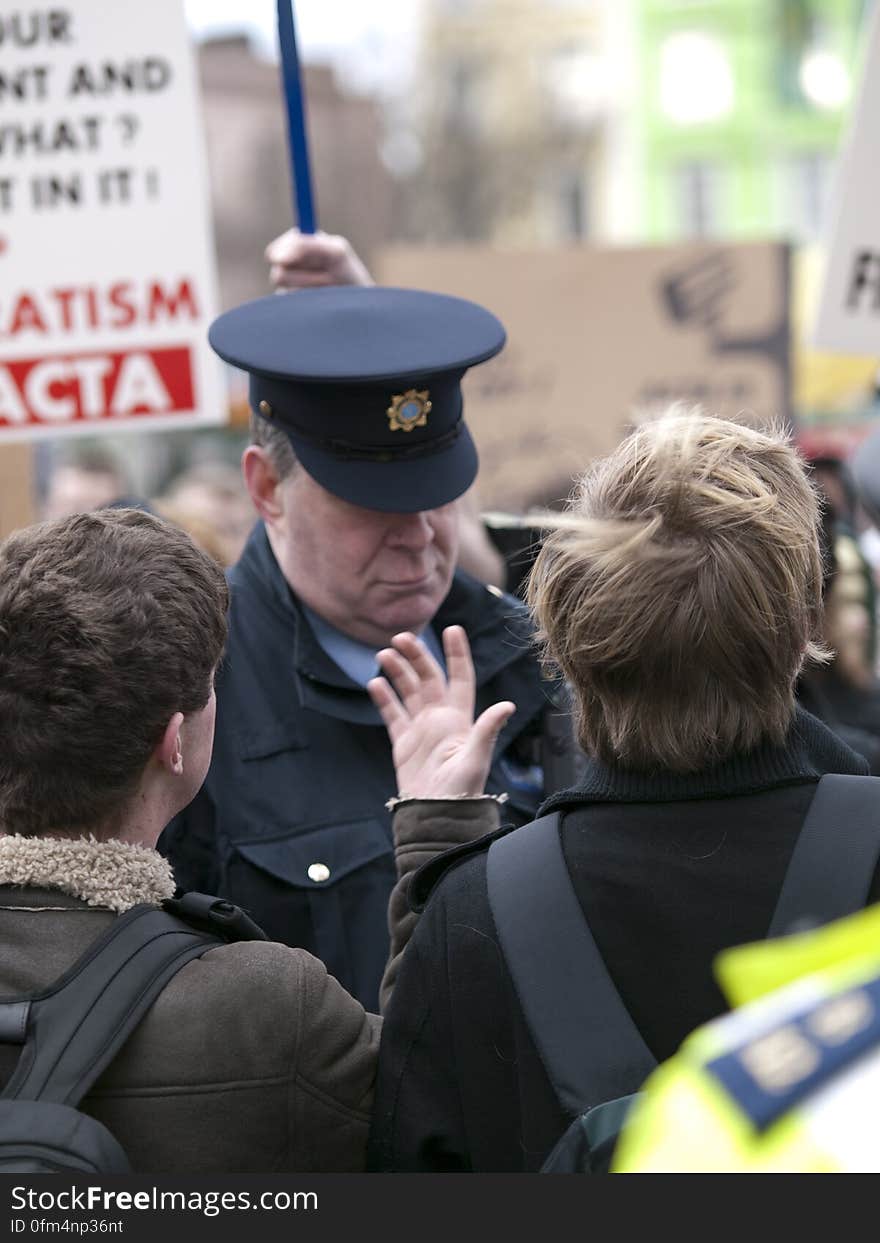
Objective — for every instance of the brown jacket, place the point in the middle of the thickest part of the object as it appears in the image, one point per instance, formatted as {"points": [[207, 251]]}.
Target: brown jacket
{"points": [[253, 1058]]}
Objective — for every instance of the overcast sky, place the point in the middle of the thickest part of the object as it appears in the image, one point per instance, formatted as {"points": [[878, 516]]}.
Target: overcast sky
{"points": [[370, 43]]}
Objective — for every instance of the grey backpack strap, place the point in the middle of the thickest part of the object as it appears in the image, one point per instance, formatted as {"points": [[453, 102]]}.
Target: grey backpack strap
{"points": [[73, 1030], [835, 855], [590, 1047]]}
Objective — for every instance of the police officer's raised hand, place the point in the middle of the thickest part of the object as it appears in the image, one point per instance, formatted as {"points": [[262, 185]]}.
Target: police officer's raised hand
{"points": [[309, 260], [439, 750]]}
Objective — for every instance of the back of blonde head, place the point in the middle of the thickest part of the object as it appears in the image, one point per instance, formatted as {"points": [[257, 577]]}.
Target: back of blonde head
{"points": [[683, 593]]}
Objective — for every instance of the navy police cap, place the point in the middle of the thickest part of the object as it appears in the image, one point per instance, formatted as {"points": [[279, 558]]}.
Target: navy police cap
{"points": [[366, 382]]}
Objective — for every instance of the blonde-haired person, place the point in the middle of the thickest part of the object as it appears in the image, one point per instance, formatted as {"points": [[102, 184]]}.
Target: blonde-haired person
{"points": [[681, 597]]}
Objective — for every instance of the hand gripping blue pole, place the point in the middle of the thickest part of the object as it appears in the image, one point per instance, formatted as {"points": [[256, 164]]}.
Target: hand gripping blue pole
{"points": [[296, 119]]}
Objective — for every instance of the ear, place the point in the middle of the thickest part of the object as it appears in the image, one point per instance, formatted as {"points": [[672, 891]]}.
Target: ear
{"points": [[169, 751], [262, 483]]}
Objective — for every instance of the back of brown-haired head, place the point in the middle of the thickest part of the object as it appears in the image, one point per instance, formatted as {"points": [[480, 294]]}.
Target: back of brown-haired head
{"points": [[110, 622], [684, 593]]}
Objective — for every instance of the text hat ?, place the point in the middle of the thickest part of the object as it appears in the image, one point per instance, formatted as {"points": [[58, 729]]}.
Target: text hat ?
{"points": [[366, 382]]}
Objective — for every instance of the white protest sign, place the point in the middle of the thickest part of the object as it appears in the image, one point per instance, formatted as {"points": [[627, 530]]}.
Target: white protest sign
{"points": [[107, 278], [848, 320]]}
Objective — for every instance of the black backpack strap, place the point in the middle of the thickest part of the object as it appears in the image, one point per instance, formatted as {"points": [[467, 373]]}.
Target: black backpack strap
{"points": [[835, 856], [75, 1029], [590, 1047], [215, 916]]}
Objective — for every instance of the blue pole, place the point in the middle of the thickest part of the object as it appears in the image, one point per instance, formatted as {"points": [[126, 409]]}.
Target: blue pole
{"points": [[296, 119]]}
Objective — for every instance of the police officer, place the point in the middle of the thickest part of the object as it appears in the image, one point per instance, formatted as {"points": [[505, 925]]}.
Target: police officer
{"points": [[359, 453]]}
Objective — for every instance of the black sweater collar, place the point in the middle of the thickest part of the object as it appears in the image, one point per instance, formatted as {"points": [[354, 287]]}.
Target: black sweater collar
{"points": [[809, 751]]}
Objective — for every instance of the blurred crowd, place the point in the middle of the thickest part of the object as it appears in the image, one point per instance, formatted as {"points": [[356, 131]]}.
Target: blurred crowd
{"points": [[209, 501]]}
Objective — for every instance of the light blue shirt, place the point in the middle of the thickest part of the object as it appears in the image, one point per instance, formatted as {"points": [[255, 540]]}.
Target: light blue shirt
{"points": [[358, 659]]}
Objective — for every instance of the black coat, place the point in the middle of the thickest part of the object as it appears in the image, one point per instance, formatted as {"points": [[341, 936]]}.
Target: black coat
{"points": [[302, 769], [668, 870]]}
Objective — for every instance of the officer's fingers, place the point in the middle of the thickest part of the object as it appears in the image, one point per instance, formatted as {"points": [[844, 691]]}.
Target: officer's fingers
{"points": [[459, 667], [403, 678], [425, 667], [389, 706]]}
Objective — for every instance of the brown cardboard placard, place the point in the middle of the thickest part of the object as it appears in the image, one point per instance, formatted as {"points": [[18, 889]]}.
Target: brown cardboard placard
{"points": [[596, 334], [16, 487]]}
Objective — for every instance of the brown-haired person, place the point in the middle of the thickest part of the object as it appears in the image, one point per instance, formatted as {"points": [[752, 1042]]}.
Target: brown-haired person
{"points": [[680, 599], [253, 1058]]}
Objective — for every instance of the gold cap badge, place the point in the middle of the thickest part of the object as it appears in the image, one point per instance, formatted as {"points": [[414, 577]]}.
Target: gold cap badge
{"points": [[409, 410]]}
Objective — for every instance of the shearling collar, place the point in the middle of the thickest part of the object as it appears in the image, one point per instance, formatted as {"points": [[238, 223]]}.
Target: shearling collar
{"points": [[113, 875]]}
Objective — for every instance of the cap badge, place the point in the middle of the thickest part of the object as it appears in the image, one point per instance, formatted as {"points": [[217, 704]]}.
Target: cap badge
{"points": [[409, 410]]}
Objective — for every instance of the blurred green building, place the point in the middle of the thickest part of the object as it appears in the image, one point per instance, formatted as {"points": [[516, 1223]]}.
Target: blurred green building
{"points": [[739, 112]]}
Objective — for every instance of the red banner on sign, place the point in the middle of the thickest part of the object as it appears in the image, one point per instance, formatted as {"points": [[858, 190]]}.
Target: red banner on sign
{"points": [[73, 388]]}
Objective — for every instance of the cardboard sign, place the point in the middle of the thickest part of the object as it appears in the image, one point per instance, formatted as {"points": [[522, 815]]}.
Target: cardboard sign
{"points": [[17, 507], [107, 278], [849, 311], [595, 336]]}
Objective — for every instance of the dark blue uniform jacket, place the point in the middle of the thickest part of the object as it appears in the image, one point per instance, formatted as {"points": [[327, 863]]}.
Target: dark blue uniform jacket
{"points": [[291, 823]]}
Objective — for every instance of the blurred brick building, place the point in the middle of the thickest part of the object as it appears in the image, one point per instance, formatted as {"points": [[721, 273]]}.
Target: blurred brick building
{"points": [[249, 166], [522, 110]]}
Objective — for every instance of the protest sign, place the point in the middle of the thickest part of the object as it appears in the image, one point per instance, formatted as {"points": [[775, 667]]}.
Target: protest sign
{"points": [[106, 257], [849, 311], [16, 488], [596, 336]]}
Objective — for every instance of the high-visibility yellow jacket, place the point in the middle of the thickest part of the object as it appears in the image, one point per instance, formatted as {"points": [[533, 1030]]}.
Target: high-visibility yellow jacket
{"points": [[790, 1081]]}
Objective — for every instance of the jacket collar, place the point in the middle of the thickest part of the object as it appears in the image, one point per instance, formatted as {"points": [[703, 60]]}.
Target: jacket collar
{"points": [[809, 751], [113, 875]]}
